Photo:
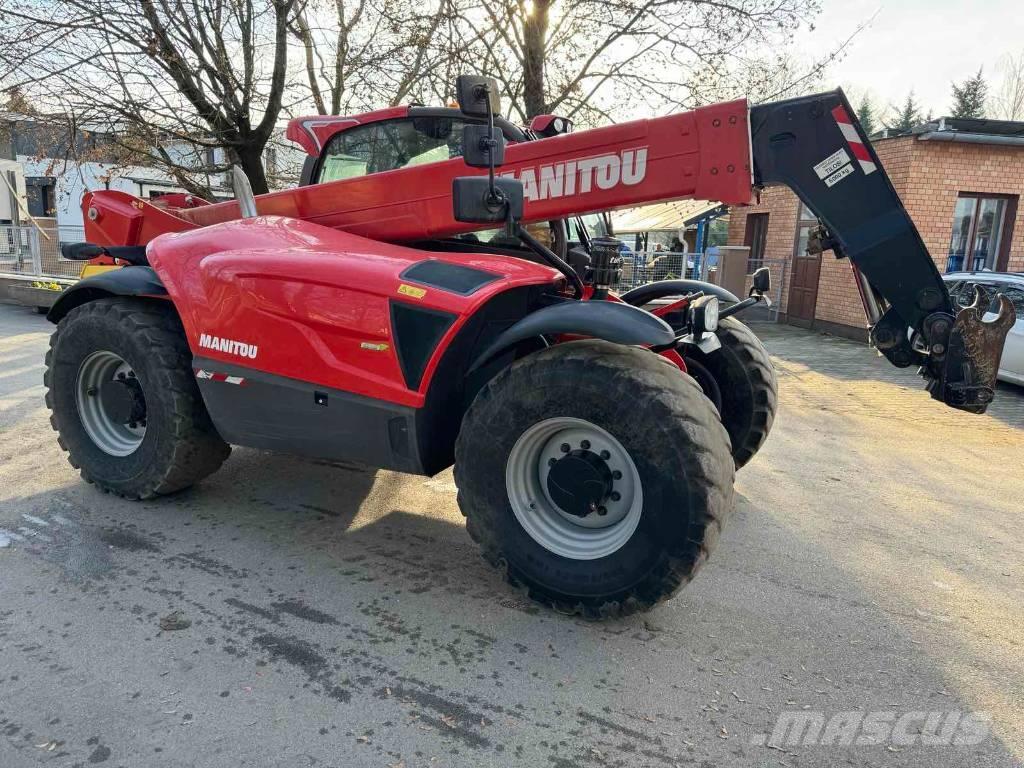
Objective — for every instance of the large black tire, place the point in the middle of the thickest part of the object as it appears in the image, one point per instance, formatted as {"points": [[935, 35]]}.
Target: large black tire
{"points": [[746, 385], [673, 436], [180, 445]]}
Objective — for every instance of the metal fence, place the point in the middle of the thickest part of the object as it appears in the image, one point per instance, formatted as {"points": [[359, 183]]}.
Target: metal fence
{"points": [[27, 250], [641, 267]]}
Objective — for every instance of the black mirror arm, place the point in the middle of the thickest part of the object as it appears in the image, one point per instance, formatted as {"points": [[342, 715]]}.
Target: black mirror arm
{"points": [[739, 306], [550, 257]]}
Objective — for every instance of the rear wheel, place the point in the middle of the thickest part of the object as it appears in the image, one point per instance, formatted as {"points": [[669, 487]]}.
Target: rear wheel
{"points": [[595, 476], [743, 383], [124, 402]]}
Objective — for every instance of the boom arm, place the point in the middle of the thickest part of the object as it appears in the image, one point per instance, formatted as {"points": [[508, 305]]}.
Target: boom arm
{"points": [[816, 147], [723, 152]]}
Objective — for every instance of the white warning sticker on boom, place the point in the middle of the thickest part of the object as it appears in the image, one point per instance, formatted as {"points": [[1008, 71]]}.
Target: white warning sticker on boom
{"points": [[839, 175], [831, 164]]}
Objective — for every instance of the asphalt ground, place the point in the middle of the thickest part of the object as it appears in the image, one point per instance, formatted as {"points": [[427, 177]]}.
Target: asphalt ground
{"points": [[340, 616]]}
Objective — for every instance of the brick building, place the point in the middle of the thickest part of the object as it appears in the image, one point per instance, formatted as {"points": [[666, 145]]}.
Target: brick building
{"points": [[961, 182]]}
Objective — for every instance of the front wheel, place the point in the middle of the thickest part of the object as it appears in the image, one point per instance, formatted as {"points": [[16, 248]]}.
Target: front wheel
{"points": [[595, 476]]}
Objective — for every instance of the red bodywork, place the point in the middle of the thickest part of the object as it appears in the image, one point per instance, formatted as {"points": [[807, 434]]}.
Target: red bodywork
{"points": [[322, 313]]}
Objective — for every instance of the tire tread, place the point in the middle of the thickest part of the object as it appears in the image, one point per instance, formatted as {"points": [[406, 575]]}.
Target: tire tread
{"points": [[195, 449], [633, 374]]}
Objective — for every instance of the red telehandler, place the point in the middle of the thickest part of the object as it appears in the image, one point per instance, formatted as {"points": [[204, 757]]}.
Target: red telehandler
{"points": [[403, 310]]}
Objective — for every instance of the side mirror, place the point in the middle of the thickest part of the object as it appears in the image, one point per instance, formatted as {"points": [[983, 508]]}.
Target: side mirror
{"points": [[477, 95], [480, 149], [476, 201], [761, 281]]}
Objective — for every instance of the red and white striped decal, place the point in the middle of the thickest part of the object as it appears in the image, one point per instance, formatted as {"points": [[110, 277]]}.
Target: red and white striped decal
{"points": [[853, 139], [216, 376]]}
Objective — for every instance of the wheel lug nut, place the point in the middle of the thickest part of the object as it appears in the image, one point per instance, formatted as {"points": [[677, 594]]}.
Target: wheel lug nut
{"points": [[91, 391], [565, 448], [120, 376], [585, 445], [133, 424], [602, 510], [605, 455], [616, 475], [552, 462], [615, 496]]}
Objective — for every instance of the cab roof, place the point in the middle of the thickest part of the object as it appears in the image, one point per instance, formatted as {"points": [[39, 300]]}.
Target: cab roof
{"points": [[314, 131]]}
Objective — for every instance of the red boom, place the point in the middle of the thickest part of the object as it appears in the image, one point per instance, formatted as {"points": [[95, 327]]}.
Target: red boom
{"points": [[704, 154]]}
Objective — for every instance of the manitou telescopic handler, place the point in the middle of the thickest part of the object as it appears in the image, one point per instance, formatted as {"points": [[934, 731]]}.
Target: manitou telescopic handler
{"points": [[405, 312]]}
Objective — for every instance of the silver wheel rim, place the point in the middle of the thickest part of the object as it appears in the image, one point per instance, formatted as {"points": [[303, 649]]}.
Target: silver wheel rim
{"points": [[526, 480], [109, 435]]}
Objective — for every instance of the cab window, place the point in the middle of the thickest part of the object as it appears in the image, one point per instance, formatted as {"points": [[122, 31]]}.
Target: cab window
{"points": [[389, 145]]}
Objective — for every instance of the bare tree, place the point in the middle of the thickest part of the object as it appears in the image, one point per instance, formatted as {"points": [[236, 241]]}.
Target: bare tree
{"points": [[365, 54], [1007, 98], [590, 58], [170, 82], [193, 86]]}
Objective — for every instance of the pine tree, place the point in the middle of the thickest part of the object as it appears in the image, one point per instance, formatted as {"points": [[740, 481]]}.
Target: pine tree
{"points": [[16, 102], [866, 115], [908, 116], [969, 97]]}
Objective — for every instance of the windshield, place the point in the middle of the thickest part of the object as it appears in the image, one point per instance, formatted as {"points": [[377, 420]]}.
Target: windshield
{"points": [[386, 146]]}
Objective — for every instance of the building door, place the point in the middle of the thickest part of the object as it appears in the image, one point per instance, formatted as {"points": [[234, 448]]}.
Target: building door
{"points": [[803, 290]]}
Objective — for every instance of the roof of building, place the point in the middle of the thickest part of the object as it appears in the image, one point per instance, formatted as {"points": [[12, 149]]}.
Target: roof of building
{"points": [[963, 129], [974, 125], [662, 216]]}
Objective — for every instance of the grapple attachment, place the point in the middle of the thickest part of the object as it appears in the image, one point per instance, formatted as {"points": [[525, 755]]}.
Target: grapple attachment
{"points": [[975, 346]]}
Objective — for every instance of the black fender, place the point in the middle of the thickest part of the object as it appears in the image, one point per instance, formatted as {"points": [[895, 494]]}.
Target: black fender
{"points": [[126, 281], [660, 288], [608, 320]]}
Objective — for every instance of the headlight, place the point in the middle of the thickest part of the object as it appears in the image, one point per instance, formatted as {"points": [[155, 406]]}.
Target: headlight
{"points": [[704, 315]]}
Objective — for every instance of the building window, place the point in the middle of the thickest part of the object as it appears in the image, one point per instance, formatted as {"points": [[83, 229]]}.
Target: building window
{"points": [[979, 232], [40, 194], [805, 222], [756, 235]]}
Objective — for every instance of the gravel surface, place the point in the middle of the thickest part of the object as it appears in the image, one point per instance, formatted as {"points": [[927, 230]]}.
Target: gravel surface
{"points": [[298, 613]]}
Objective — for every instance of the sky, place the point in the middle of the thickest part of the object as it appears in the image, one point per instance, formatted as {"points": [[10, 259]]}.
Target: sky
{"points": [[919, 44]]}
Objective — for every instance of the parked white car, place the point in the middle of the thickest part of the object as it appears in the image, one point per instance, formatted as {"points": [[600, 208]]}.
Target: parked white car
{"points": [[1011, 284]]}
